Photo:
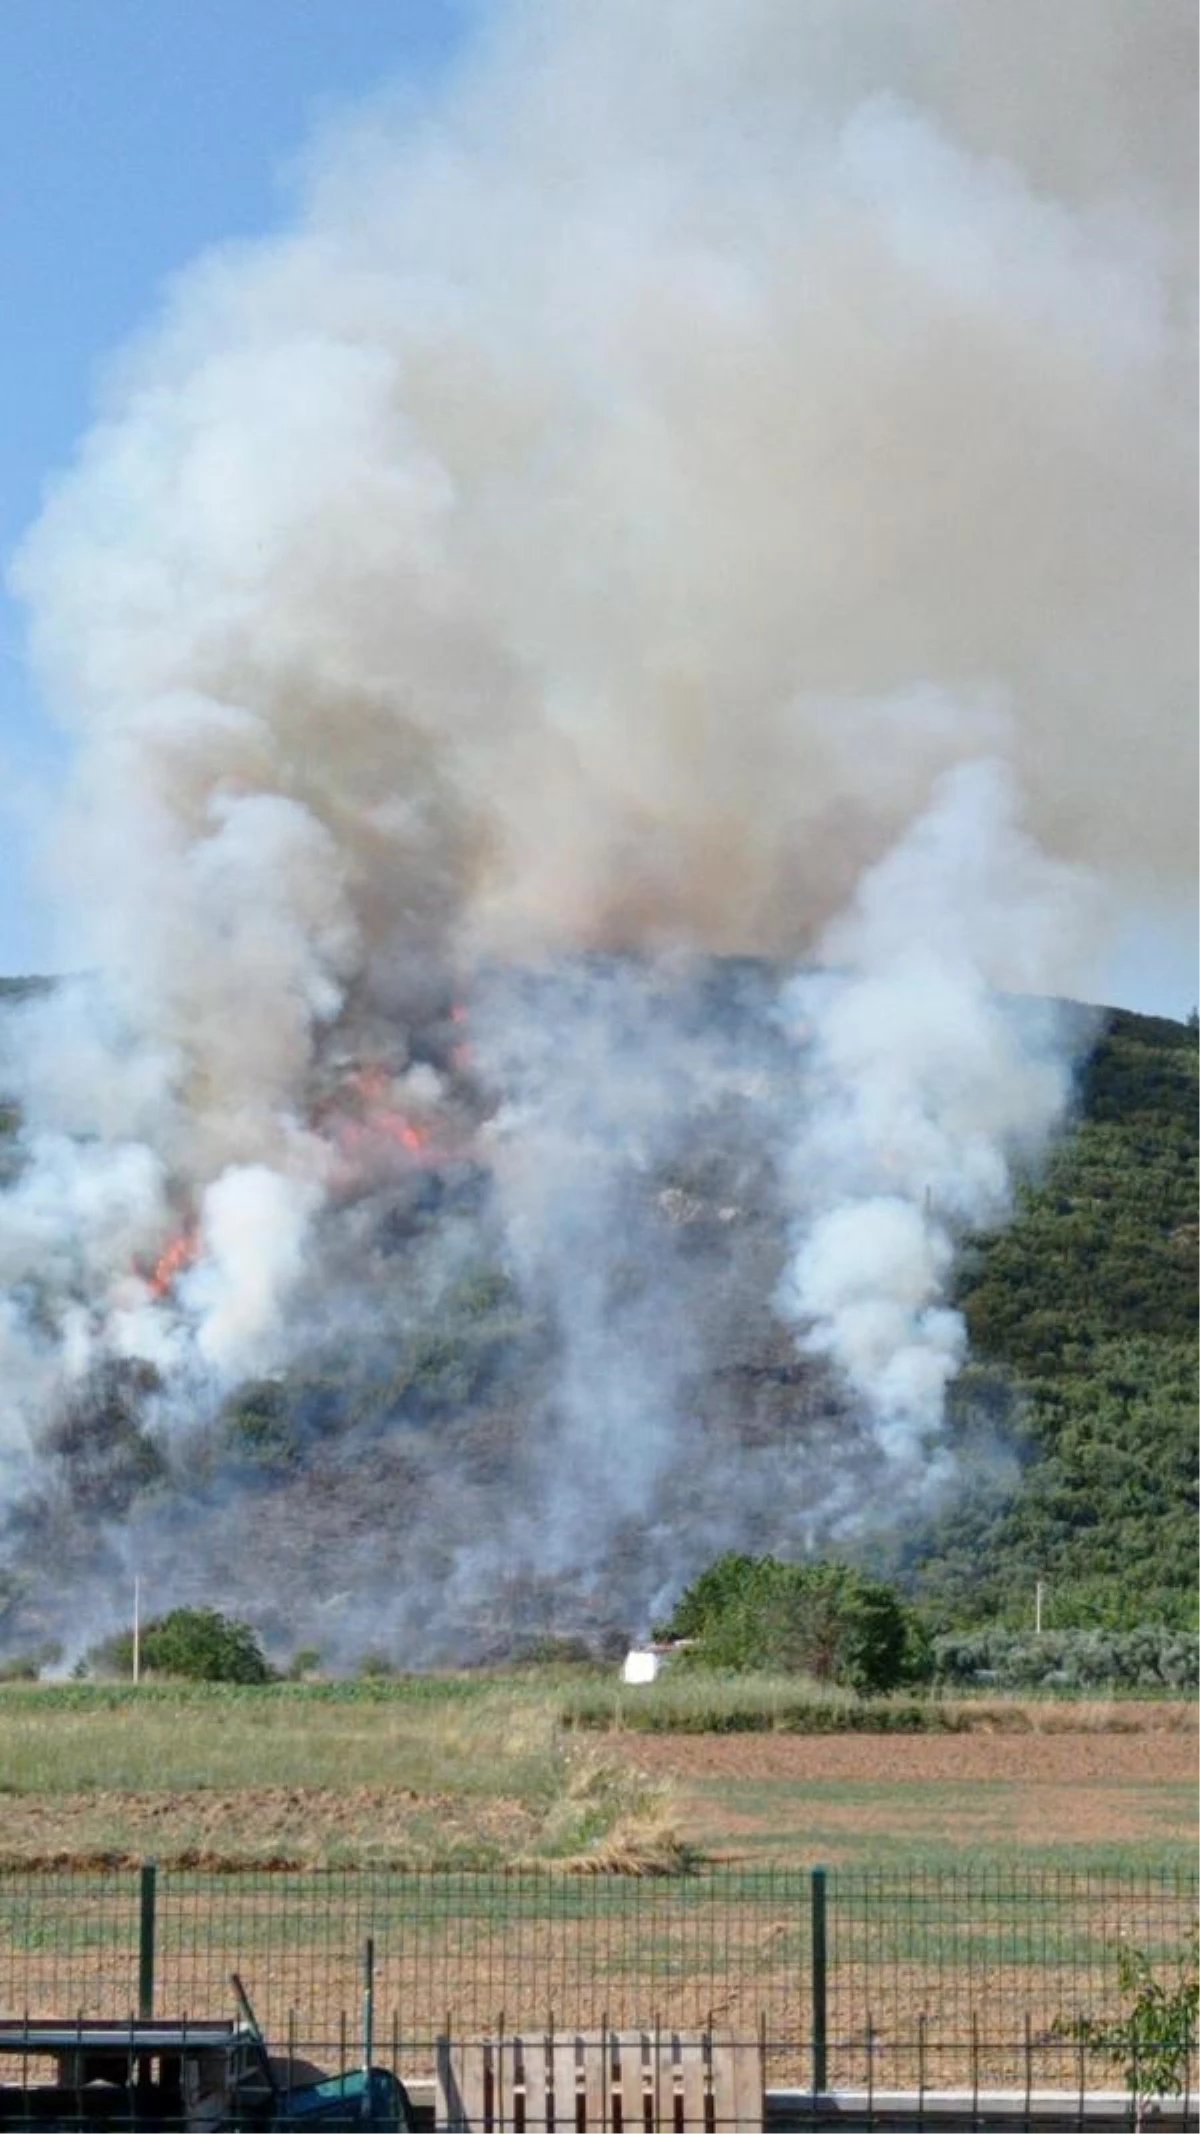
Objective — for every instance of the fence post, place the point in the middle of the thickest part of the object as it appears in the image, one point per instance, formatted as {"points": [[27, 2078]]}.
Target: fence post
{"points": [[819, 1982], [146, 1939]]}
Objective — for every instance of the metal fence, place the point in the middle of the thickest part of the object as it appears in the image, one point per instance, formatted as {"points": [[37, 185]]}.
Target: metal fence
{"points": [[854, 1978]]}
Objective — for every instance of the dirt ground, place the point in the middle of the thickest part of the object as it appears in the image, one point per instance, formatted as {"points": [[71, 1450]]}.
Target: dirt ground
{"points": [[1043, 1789], [260, 1826], [907, 1759]]}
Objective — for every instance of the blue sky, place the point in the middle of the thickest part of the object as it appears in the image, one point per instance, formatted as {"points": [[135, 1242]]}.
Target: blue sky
{"points": [[133, 133]]}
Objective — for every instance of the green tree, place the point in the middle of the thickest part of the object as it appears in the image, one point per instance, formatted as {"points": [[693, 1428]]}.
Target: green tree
{"points": [[192, 1644], [826, 1620], [1154, 2037]]}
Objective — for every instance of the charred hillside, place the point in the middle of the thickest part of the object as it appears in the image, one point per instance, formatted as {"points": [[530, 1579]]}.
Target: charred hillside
{"points": [[420, 1481], [477, 1437]]}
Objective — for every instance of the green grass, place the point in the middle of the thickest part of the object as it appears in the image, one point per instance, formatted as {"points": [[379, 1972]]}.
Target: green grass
{"points": [[942, 1825], [457, 1777], [479, 1768], [473, 1734], [683, 1702], [79, 1739], [919, 1854]]}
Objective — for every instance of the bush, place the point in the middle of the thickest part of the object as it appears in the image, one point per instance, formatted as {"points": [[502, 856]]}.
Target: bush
{"points": [[30, 1665], [257, 1429], [375, 1667], [1149, 1658], [193, 1644], [305, 1662], [755, 1614], [1153, 2039]]}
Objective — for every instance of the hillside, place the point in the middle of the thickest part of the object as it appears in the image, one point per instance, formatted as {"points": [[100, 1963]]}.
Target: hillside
{"points": [[393, 1490], [1083, 1321]]}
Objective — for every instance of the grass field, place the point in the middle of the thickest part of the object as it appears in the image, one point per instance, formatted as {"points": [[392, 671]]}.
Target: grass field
{"points": [[493, 1769], [482, 1773], [986, 1858]]}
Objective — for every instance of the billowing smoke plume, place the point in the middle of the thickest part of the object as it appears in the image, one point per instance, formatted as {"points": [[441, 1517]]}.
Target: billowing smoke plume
{"points": [[723, 491], [925, 1085]]}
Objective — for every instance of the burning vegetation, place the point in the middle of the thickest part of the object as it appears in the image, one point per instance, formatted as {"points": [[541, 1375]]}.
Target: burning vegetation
{"points": [[174, 1260], [584, 813]]}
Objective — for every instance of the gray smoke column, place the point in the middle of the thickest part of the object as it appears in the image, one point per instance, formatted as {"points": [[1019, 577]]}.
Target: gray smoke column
{"points": [[605, 519]]}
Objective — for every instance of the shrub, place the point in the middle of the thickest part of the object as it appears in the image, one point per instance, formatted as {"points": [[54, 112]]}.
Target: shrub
{"points": [[256, 1428], [1149, 1658], [193, 1644], [827, 1620], [99, 1443], [1153, 2038]]}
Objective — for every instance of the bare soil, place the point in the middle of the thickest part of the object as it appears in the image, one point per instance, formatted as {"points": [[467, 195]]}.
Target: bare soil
{"points": [[937, 1759], [257, 1826], [1049, 1789]]}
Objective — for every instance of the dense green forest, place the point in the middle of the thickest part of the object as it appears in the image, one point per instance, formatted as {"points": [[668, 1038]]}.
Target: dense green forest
{"points": [[1074, 1421], [1083, 1326]]}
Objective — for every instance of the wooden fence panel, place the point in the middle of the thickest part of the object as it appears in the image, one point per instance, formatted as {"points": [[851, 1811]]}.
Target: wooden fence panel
{"points": [[594, 2082]]}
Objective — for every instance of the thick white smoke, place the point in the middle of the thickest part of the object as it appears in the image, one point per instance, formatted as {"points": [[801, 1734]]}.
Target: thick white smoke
{"points": [[927, 1082], [611, 517]]}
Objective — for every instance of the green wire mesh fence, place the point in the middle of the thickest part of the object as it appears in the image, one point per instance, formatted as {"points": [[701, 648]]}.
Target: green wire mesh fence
{"points": [[855, 1977]]}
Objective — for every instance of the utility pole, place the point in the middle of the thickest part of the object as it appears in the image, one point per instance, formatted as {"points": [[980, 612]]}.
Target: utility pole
{"points": [[137, 1629], [1037, 1608]]}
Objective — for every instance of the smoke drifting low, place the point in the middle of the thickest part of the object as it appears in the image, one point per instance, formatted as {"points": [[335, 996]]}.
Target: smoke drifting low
{"points": [[718, 493]]}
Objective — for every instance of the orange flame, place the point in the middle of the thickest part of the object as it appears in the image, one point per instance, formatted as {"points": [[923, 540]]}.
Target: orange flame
{"points": [[357, 1137], [395, 1127], [173, 1261], [377, 1119]]}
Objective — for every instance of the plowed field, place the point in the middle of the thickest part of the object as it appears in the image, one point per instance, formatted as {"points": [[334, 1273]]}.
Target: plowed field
{"points": [[829, 1797]]}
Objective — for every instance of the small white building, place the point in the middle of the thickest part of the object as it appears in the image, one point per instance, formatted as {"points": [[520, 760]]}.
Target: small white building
{"points": [[640, 1665], [644, 1663]]}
